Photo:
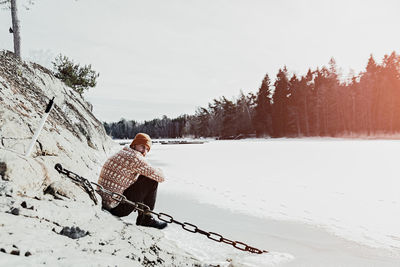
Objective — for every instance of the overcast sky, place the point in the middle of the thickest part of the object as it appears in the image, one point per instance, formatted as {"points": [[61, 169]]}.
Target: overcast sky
{"points": [[170, 57]]}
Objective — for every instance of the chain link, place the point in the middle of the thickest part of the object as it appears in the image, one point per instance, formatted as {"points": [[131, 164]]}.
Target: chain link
{"points": [[87, 185], [80, 181]]}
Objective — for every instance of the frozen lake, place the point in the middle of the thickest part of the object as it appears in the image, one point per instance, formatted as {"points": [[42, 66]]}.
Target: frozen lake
{"points": [[350, 188]]}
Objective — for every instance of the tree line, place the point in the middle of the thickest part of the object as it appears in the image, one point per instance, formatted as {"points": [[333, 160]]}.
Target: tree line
{"points": [[318, 103]]}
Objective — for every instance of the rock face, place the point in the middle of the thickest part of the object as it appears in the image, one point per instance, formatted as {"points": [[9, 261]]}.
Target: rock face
{"points": [[71, 133], [38, 205]]}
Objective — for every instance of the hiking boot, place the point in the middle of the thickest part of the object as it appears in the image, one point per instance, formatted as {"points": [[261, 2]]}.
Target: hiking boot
{"points": [[149, 221]]}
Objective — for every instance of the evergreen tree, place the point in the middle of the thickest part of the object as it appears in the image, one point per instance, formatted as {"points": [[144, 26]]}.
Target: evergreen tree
{"points": [[334, 119], [304, 102], [279, 105], [293, 115], [228, 122], [73, 75], [202, 122], [369, 81], [263, 109], [216, 118], [244, 124]]}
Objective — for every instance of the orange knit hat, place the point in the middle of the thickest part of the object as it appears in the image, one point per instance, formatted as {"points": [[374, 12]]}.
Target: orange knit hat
{"points": [[142, 139]]}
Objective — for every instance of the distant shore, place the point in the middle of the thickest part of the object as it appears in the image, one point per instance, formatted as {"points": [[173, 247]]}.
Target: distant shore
{"points": [[189, 140]]}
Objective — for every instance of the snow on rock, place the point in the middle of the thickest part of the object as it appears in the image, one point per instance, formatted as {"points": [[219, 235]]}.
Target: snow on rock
{"points": [[35, 231], [71, 134], [37, 203]]}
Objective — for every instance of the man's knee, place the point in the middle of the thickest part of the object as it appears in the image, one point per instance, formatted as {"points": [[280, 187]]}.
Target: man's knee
{"points": [[146, 180]]}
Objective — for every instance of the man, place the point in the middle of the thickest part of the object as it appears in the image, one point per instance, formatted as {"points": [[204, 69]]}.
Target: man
{"points": [[128, 173]]}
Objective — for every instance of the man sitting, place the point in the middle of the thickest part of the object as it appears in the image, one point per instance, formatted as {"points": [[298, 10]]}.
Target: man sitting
{"points": [[128, 173]]}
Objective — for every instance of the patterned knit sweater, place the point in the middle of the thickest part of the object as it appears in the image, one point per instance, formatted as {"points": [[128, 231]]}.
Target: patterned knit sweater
{"points": [[122, 170]]}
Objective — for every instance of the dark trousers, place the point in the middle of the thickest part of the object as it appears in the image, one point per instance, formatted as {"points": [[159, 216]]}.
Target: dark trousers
{"points": [[144, 190]]}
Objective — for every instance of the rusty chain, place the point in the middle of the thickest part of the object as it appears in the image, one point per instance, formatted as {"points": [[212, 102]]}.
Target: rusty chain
{"points": [[80, 181], [87, 185]]}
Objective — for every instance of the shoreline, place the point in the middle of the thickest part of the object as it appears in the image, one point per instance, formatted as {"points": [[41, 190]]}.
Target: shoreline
{"points": [[359, 137], [308, 244]]}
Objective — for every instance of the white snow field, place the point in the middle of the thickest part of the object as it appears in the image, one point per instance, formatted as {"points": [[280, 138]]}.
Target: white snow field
{"points": [[340, 197]]}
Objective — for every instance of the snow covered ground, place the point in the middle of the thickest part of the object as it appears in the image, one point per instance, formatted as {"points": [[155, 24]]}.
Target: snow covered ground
{"points": [[348, 187]]}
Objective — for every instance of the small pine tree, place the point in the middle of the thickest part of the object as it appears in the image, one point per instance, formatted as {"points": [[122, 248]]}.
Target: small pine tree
{"points": [[73, 75]]}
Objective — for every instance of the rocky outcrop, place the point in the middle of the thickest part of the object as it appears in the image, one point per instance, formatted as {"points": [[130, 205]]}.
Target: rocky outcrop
{"points": [[41, 210], [71, 133]]}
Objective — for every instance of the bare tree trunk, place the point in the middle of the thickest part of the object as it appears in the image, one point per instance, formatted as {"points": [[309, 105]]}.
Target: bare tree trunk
{"points": [[298, 123], [354, 128], [318, 117], [392, 108], [306, 116], [16, 28]]}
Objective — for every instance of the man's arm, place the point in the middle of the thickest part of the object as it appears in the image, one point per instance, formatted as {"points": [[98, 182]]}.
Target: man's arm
{"points": [[144, 168]]}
